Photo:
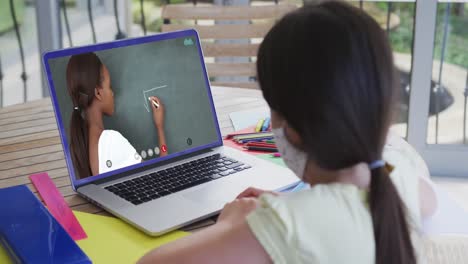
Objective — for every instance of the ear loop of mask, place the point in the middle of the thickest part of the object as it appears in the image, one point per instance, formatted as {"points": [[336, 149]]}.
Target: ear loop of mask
{"points": [[294, 158]]}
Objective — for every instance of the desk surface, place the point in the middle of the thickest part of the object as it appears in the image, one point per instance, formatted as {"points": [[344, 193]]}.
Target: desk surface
{"points": [[30, 143]]}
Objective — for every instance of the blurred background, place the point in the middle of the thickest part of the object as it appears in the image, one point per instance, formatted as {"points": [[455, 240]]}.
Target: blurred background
{"points": [[30, 27]]}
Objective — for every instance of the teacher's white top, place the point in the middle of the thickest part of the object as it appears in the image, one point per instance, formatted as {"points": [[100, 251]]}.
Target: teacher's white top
{"points": [[115, 152]]}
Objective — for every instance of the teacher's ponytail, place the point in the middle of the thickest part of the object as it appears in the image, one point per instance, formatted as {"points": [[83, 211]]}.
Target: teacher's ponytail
{"points": [[79, 144], [83, 76]]}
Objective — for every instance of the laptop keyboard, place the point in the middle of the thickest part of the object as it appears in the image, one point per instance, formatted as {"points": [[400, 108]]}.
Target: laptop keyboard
{"points": [[161, 183]]}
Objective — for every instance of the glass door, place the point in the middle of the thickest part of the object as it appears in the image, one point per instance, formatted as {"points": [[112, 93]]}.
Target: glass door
{"points": [[438, 98], [396, 17]]}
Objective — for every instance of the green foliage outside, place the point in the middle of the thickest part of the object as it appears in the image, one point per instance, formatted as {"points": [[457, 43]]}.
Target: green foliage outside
{"points": [[6, 22], [456, 51], [457, 42], [401, 37], [152, 11]]}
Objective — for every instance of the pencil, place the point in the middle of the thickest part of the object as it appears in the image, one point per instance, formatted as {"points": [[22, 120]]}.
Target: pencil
{"points": [[244, 134], [266, 124], [259, 126], [266, 149], [260, 144], [261, 135], [242, 141]]}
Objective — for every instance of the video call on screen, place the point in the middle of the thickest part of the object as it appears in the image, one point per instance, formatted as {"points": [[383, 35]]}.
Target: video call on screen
{"points": [[170, 70]]}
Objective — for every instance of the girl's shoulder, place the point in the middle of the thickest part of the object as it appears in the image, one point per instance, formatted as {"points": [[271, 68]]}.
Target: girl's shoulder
{"points": [[331, 200], [310, 226]]}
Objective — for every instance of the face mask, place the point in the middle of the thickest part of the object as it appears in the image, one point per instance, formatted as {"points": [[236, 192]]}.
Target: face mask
{"points": [[294, 158]]}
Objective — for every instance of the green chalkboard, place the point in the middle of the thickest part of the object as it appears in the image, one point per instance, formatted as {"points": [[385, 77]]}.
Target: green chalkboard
{"points": [[169, 69]]}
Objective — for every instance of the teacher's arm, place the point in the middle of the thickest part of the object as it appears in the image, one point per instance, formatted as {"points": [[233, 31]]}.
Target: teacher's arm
{"points": [[158, 118]]}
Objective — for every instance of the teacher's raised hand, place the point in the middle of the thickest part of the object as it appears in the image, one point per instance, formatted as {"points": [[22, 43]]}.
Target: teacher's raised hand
{"points": [[158, 118], [158, 111]]}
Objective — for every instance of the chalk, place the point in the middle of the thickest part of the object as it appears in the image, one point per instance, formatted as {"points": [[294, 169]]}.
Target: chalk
{"points": [[154, 102]]}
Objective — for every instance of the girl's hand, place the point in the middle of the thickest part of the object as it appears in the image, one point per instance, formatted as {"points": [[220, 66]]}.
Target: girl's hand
{"points": [[158, 112], [236, 211], [252, 192]]}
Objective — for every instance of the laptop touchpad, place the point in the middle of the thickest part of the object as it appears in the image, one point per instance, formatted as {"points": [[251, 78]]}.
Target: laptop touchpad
{"points": [[217, 194]]}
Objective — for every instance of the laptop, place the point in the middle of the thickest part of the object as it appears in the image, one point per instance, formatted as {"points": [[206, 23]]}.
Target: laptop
{"points": [[157, 178]]}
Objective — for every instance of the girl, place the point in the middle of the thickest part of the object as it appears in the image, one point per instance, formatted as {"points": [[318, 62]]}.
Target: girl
{"points": [[328, 76], [94, 149]]}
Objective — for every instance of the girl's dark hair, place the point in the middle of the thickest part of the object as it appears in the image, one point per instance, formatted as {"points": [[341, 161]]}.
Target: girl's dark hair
{"points": [[83, 76], [328, 70]]}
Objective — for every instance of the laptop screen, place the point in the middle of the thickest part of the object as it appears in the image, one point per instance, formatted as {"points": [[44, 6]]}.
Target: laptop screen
{"points": [[131, 103]]}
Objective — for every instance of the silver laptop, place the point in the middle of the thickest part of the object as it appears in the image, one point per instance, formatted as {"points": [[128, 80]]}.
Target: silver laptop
{"points": [[156, 177]]}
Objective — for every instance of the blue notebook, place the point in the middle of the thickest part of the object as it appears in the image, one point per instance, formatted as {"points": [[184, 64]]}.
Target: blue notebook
{"points": [[31, 234]]}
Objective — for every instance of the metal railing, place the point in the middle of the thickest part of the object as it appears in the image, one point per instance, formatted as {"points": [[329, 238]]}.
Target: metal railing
{"points": [[1, 83], [439, 88], [20, 45], [21, 50], [465, 94], [67, 23], [120, 34], [436, 91]]}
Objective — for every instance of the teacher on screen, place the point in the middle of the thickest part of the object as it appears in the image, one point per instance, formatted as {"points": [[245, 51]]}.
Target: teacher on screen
{"points": [[94, 149]]}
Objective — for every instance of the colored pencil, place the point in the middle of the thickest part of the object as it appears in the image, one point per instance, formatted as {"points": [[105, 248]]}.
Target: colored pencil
{"points": [[259, 138], [260, 144], [262, 149], [251, 140], [229, 136], [259, 126], [232, 135], [266, 124], [254, 135]]}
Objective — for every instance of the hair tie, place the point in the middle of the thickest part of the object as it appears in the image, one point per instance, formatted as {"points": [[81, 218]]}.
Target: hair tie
{"points": [[377, 164], [76, 108]]}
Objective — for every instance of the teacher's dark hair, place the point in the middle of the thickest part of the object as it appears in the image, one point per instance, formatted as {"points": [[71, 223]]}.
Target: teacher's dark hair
{"points": [[83, 76], [328, 70]]}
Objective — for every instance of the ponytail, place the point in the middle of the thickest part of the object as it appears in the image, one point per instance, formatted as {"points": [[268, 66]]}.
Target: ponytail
{"points": [[391, 231], [79, 144], [83, 76]]}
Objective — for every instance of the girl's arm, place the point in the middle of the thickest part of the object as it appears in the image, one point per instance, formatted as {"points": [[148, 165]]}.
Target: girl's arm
{"points": [[228, 241]]}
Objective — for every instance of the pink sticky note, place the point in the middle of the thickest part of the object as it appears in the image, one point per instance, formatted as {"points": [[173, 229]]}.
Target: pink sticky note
{"points": [[57, 206]]}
